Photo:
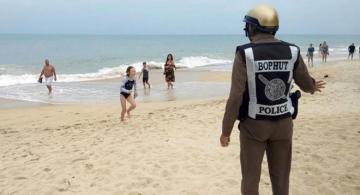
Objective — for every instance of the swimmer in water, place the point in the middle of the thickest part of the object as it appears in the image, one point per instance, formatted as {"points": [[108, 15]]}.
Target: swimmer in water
{"points": [[128, 92], [145, 73]]}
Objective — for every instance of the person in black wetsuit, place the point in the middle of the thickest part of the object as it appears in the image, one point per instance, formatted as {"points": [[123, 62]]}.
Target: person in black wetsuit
{"points": [[145, 73], [351, 51], [128, 92]]}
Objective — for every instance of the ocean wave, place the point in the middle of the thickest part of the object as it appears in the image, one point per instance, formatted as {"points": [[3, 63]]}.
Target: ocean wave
{"points": [[198, 61], [111, 72]]}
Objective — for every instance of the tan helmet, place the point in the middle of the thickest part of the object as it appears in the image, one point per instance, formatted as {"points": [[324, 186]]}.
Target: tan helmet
{"points": [[264, 18]]}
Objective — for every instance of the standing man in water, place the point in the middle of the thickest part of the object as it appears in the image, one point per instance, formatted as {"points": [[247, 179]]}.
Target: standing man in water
{"points": [[49, 72], [262, 76]]}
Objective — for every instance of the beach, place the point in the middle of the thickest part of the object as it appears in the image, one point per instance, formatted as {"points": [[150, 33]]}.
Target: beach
{"points": [[172, 147]]}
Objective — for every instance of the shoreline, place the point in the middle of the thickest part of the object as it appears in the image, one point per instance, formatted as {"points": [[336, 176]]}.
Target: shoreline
{"points": [[186, 81], [199, 77]]}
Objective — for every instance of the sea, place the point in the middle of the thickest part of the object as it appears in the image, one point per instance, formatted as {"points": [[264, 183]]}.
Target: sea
{"points": [[82, 60]]}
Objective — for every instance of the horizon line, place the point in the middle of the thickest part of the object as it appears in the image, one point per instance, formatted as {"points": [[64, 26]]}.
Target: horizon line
{"points": [[156, 34]]}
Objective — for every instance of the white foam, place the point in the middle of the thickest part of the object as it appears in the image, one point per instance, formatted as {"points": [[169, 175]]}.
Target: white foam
{"points": [[111, 72], [198, 61]]}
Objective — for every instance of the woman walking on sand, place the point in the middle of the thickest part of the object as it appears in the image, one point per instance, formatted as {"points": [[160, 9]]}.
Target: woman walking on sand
{"points": [[169, 71], [128, 92], [324, 51]]}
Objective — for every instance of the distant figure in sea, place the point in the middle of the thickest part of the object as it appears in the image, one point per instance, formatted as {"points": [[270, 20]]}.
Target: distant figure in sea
{"points": [[49, 72], [351, 51], [324, 51], [128, 92], [310, 55], [145, 73], [169, 71], [320, 50]]}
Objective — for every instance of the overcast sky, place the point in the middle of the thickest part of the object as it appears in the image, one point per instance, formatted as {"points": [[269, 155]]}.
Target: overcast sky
{"points": [[173, 16]]}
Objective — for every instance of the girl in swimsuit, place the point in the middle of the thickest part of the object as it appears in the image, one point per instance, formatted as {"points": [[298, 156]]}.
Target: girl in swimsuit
{"points": [[169, 72], [128, 92]]}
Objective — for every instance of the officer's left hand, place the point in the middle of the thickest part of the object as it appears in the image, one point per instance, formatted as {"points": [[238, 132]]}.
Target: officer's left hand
{"points": [[319, 85]]}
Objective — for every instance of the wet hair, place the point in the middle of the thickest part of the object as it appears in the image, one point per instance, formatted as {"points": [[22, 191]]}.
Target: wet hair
{"points": [[144, 63], [128, 70], [167, 57]]}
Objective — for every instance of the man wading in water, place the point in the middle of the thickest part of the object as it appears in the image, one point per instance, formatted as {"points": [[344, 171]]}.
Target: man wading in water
{"points": [[262, 76], [49, 72]]}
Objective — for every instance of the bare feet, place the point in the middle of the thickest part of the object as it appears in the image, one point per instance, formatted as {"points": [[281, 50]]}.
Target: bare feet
{"points": [[122, 117]]}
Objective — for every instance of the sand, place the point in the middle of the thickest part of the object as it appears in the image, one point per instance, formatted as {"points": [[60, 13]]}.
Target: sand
{"points": [[173, 148]]}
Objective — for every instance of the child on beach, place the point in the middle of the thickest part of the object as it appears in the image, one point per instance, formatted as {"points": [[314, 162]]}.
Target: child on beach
{"points": [[128, 92], [310, 55], [145, 73]]}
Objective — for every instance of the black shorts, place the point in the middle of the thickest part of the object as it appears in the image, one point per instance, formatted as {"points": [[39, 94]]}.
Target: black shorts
{"points": [[145, 79], [126, 95]]}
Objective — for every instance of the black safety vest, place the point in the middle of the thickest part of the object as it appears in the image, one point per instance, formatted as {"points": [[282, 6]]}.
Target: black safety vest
{"points": [[269, 69]]}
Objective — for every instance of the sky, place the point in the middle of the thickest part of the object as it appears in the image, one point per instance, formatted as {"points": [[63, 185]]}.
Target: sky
{"points": [[172, 16]]}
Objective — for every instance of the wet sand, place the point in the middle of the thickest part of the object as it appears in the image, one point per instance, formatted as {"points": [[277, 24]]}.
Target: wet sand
{"points": [[189, 85]]}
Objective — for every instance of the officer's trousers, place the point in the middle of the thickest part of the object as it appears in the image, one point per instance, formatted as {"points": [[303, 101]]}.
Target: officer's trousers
{"points": [[274, 138]]}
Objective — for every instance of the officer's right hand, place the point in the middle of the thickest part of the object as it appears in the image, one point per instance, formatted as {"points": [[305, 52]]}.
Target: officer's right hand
{"points": [[224, 140]]}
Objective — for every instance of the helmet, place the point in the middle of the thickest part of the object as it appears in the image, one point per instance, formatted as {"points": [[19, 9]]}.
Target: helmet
{"points": [[264, 18]]}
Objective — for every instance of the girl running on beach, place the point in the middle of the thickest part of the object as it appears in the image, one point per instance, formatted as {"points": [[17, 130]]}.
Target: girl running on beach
{"points": [[169, 71], [128, 92]]}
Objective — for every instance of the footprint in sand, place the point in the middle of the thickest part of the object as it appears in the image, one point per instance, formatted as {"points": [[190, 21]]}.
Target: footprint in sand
{"points": [[20, 178], [66, 184], [89, 166], [134, 193], [78, 159]]}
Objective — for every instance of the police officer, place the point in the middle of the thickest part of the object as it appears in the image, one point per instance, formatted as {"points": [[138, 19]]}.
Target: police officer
{"points": [[262, 76]]}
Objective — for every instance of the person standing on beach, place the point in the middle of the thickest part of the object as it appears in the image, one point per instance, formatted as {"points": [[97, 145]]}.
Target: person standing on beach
{"points": [[324, 51], [262, 76], [310, 55], [128, 92], [351, 49], [169, 71], [49, 72], [145, 73]]}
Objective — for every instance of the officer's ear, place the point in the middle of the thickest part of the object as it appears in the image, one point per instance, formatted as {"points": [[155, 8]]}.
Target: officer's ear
{"points": [[252, 30]]}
